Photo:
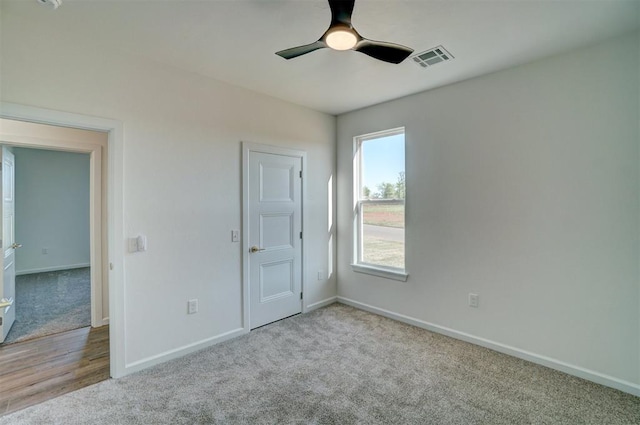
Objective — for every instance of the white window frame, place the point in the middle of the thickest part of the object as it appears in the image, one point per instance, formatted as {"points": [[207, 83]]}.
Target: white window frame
{"points": [[357, 264]]}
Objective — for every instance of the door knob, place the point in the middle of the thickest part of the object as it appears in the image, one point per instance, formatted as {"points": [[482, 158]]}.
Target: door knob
{"points": [[16, 245], [255, 249]]}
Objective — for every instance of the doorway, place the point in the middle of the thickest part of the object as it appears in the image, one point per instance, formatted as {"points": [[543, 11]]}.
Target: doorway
{"points": [[19, 134], [88, 360], [273, 233], [110, 171]]}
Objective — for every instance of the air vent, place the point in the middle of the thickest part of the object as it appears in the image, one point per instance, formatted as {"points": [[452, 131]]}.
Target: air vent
{"points": [[432, 57]]}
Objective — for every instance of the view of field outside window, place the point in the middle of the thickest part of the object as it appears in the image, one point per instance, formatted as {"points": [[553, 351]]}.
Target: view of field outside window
{"points": [[382, 196]]}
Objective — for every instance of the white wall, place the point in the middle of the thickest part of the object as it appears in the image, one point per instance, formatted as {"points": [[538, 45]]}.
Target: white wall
{"points": [[182, 176], [52, 210], [523, 187]]}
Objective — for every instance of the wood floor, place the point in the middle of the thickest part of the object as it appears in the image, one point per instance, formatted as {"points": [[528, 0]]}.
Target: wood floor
{"points": [[40, 369]]}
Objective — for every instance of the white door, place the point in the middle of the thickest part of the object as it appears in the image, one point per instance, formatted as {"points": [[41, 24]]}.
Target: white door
{"points": [[8, 276], [274, 236]]}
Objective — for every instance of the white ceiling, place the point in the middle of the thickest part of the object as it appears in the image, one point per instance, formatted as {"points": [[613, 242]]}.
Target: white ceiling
{"points": [[235, 40]]}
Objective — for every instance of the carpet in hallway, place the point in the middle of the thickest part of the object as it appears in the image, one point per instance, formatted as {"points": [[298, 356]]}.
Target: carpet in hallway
{"points": [[51, 302]]}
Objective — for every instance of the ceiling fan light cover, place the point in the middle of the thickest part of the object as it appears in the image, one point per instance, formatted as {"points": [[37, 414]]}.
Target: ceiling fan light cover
{"points": [[341, 39]]}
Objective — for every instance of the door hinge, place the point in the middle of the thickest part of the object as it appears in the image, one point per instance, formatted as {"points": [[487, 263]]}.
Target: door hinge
{"points": [[300, 235], [300, 295]]}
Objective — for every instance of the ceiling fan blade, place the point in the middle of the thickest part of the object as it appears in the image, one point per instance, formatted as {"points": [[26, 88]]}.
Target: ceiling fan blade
{"points": [[341, 11], [294, 52], [388, 52]]}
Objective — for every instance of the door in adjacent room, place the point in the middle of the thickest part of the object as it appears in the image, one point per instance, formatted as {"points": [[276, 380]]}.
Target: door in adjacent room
{"points": [[273, 239], [8, 275]]}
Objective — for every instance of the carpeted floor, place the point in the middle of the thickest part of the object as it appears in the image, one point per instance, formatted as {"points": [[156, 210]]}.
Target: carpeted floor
{"points": [[339, 365], [51, 302]]}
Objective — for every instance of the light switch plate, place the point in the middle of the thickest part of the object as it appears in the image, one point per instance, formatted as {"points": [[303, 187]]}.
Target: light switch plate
{"points": [[235, 236], [138, 244], [142, 243]]}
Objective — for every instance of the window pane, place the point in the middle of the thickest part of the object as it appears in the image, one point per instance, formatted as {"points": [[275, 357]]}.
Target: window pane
{"points": [[383, 233], [382, 167], [382, 196]]}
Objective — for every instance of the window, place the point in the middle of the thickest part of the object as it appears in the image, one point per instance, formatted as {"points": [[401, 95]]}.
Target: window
{"points": [[379, 199]]}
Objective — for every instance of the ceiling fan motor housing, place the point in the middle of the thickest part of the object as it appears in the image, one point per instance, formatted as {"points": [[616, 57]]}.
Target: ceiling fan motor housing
{"points": [[342, 36]]}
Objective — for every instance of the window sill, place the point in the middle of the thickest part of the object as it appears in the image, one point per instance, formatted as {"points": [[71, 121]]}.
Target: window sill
{"points": [[381, 272]]}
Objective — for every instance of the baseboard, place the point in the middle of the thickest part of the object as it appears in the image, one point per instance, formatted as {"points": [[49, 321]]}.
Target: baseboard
{"points": [[320, 304], [589, 375], [182, 351], [53, 269]]}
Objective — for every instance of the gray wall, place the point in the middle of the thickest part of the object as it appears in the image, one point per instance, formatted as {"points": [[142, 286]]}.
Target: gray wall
{"points": [[522, 187], [52, 210]]}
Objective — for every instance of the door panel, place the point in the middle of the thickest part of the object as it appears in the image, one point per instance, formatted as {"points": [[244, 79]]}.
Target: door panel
{"points": [[276, 279], [275, 225], [276, 230], [8, 278], [276, 182]]}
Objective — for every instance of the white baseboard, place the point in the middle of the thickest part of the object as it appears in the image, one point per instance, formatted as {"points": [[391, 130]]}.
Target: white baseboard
{"points": [[53, 269], [320, 304], [182, 351], [580, 372]]}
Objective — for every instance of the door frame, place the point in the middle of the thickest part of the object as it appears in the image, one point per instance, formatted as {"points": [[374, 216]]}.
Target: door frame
{"points": [[247, 148], [113, 221], [76, 143]]}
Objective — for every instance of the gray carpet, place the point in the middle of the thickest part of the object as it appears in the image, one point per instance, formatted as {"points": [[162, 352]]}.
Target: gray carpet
{"points": [[51, 302], [339, 365]]}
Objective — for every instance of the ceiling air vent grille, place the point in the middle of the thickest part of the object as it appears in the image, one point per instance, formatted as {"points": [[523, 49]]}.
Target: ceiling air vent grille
{"points": [[432, 56]]}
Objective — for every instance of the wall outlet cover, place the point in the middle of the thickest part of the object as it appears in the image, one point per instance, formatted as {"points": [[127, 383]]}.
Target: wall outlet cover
{"points": [[192, 306]]}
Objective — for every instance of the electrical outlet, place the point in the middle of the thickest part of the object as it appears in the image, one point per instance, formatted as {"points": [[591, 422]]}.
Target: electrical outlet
{"points": [[474, 300], [320, 275], [45, 251], [192, 306]]}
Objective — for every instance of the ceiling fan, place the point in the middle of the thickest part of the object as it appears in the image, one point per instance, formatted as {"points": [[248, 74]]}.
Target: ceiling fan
{"points": [[342, 36]]}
